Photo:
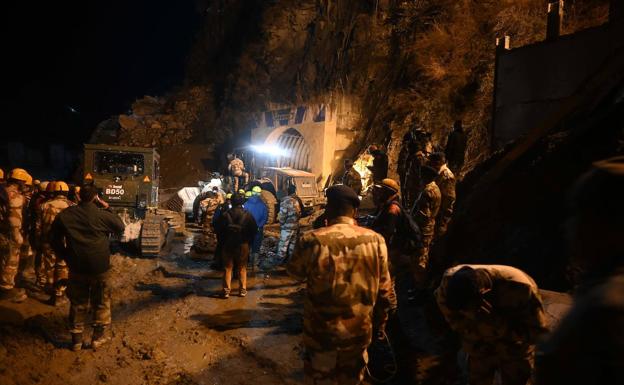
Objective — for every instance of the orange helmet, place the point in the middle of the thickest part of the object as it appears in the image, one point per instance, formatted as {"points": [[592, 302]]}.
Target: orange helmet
{"points": [[60, 186], [21, 175]]}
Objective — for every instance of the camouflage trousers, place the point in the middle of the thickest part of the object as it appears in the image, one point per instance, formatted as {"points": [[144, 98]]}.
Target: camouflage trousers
{"points": [[89, 292], [10, 262], [286, 244], [420, 263], [27, 260], [53, 270], [207, 241], [514, 364], [235, 255], [334, 367]]}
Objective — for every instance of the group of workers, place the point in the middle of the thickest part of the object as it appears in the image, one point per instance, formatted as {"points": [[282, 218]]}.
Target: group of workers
{"points": [[58, 240]]}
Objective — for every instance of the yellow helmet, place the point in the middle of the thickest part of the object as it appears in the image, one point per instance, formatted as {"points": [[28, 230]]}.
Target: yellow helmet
{"points": [[256, 190], [228, 196], [241, 191], [20, 174], [60, 186], [43, 185], [248, 194]]}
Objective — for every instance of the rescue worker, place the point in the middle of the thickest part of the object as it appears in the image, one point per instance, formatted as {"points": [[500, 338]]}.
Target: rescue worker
{"points": [[257, 208], [456, 147], [237, 229], [386, 198], [2, 178], [351, 177], [36, 215], [587, 346], [54, 266], [27, 256], [446, 182], [412, 186], [497, 312], [288, 217], [11, 256], [81, 235], [348, 292], [424, 212], [207, 242], [379, 169], [236, 170]]}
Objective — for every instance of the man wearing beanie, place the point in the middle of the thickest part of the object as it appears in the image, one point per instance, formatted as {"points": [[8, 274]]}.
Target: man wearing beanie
{"points": [[348, 293]]}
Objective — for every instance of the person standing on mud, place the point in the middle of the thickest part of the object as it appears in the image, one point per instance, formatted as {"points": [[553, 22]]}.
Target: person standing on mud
{"points": [[288, 217], [80, 235], [348, 292], [258, 209], [237, 229], [587, 347], [497, 312]]}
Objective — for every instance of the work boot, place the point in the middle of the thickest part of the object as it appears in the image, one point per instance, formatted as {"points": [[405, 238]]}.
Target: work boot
{"points": [[14, 295], [76, 342], [243, 292], [100, 337], [225, 294]]}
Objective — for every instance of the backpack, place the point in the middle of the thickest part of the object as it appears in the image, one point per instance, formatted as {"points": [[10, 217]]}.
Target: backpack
{"points": [[233, 228], [407, 232]]}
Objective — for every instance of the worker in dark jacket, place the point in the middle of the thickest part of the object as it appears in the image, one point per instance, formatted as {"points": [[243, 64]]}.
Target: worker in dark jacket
{"points": [[237, 229], [80, 235]]}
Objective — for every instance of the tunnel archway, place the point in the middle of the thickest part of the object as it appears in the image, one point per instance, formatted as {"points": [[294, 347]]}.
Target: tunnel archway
{"points": [[298, 150]]}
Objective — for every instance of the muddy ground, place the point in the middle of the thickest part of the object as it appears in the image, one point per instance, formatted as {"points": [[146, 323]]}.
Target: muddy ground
{"points": [[170, 326]]}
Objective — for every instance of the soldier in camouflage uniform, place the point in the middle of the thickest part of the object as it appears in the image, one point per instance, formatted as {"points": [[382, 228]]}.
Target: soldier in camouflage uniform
{"points": [[27, 255], [497, 312], [54, 268], [587, 347], [446, 182], [351, 177], [288, 217], [238, 176], [36, 237], [11, 257], [424, 212], [207, 241], [348, 294]]}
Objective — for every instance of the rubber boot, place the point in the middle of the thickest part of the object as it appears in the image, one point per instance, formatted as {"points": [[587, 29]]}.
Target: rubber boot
{"points": [[100, 337], [76, 342]]}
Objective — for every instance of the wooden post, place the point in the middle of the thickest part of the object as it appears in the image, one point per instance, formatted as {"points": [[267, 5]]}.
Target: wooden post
{"points": [[553, 22], [616, 10], [502, 45]]}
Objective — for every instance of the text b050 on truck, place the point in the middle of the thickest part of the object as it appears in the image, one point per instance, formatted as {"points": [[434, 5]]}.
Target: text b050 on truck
{"points": [[127, 179]]}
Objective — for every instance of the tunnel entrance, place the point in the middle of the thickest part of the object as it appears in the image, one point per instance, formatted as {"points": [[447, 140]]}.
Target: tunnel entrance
{"points": [[298, 150]]}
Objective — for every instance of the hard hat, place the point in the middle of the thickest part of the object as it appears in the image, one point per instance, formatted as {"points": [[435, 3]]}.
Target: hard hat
{"points": [[389, 184], [20, 174], [1, 173], [256, 190], [248, 194], [241, 191], [60, 186], [43, 185], [228, 196], [29, 180], [50, 186], [36, 182]]}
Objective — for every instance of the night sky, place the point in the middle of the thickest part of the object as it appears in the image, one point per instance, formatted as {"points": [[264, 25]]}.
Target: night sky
{"points": [[70, 64]]}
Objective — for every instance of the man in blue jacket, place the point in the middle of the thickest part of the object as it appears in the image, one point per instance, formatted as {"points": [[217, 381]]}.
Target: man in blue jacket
{"points": [[256, 207]]}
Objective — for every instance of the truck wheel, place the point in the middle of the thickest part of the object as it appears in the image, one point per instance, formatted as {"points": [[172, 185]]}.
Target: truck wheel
{"points": [[271, 203]]}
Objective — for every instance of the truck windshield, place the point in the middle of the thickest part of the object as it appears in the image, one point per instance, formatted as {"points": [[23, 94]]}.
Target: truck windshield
{"points": [[118, 163]]}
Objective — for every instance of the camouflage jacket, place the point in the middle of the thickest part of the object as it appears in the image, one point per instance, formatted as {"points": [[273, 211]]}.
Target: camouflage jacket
{"points": [[289, 213], [236, 167], [426, 209], [587, 348], [517, 317], [49, 211], [353, 179], [446, 183], [16, 211], [348, 284]]}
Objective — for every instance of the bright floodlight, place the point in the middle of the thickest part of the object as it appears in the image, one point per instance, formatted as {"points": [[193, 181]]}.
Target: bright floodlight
{"points": [[270, 150]]}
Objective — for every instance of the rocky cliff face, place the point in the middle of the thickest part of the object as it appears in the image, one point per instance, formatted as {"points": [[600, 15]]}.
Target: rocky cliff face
{"points": [[419, 63]]}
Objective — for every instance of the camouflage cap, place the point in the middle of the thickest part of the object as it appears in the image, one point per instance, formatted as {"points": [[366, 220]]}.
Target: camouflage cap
{"points": [[340, 194]]}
